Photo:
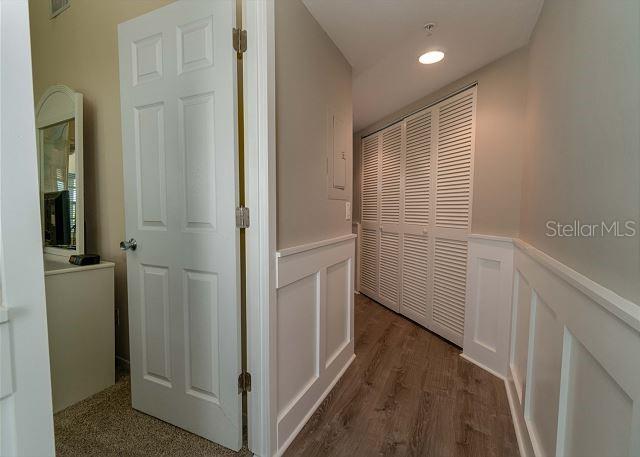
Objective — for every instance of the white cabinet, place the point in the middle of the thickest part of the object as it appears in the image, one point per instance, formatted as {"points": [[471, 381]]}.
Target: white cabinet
{"points": [[80, 321], [416, 214]]}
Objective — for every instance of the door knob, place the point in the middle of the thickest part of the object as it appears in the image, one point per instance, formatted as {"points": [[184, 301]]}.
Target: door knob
{"points": [[130, 245]]}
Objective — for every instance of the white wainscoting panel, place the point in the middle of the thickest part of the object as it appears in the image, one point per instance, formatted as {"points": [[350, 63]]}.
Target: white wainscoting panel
{"points": [[574, 378], [488, 310], [314, 327]]}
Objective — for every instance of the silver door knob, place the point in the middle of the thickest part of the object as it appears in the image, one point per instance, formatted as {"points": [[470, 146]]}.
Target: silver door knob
{"points": [[130, 245]]}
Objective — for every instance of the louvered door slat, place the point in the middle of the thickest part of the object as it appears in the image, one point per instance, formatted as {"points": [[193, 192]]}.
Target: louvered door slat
{"points": [[369, 260], [390, 175], [370, 178], [454, 152], [417, 170], [450, 285], [415, 266], [389, 272]]}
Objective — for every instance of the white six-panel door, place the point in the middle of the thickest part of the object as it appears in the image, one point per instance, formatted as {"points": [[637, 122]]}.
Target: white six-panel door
{"points": [[416, 191], [179, 138]]}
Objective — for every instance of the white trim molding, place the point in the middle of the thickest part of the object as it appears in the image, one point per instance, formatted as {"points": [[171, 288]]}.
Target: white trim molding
{"points": [[314, 341], [260, 146]]}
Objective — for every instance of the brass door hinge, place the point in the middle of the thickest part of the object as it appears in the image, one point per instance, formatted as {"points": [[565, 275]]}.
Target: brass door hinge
{"points": [[242, 217], [239, 40], [244, 382]]}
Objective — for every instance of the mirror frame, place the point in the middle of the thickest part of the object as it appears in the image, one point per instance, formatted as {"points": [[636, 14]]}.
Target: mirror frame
{"points": [[58, 104]]}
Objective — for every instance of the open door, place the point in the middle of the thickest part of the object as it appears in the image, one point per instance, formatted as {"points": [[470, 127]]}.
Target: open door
{"points": [[177, 76], [26, 418]]}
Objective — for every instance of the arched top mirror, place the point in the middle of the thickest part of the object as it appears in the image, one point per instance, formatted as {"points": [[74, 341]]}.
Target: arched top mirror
{"points": [[60, 161]]}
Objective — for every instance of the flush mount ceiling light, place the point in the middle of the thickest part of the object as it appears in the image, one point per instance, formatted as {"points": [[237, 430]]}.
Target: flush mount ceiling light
{"points": [[431, 57]]}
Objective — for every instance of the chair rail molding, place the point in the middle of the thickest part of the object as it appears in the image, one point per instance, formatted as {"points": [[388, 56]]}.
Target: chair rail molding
{"points": [[314, 329], [488, 310]]}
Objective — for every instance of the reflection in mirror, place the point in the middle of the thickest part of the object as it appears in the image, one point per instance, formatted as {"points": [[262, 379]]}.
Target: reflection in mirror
{"points": [[60, 152], [59, 184]]}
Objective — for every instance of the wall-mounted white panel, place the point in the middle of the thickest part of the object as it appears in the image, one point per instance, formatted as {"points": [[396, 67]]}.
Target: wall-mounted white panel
{"points": [[197, 127], [520, 338], [297, 339], [155, 324], [147, 59], [314, 329], [195, 45], [598, 412], [151, 167], [337, 319], [488, 310], [201, 334], [582, 380], [543, 386], [486, 328]]}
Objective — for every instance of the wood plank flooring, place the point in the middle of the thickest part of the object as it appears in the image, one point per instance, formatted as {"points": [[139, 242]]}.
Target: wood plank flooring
{"points": [[408, 393]]}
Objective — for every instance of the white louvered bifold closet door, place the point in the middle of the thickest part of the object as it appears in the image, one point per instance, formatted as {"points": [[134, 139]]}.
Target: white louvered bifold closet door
{"points": [[418, 257], [416, 272], [390, 155], [454, 164], [369, 240]]}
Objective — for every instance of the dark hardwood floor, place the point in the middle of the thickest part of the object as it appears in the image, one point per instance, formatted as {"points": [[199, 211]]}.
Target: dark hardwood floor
{"points": [[408, 393]]}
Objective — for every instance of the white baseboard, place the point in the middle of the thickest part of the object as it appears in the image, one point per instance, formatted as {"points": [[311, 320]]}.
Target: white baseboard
{"points": [[484, 367], [519, 425]]}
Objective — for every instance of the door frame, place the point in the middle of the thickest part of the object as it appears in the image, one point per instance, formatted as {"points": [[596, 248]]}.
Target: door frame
{"points": [[260, 162]]}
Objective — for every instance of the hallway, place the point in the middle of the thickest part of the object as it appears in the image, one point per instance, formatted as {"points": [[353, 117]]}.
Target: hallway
{"points": [[408, 393]]}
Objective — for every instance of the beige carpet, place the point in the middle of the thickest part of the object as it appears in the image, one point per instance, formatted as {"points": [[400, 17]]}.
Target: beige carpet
{"points": [[106, 425]]}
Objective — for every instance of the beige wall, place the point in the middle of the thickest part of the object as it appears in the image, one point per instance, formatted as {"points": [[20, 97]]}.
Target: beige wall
{"points": [[499, 141], [583, 155], [79, 48], [312, 76]]}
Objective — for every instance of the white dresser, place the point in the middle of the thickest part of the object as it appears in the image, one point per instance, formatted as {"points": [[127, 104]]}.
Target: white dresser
{"points": [[80, 318]]}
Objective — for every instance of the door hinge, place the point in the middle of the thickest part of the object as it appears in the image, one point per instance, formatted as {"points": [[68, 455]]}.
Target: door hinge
{"points": [[239, 40], [242, 217], [244, 382]]}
